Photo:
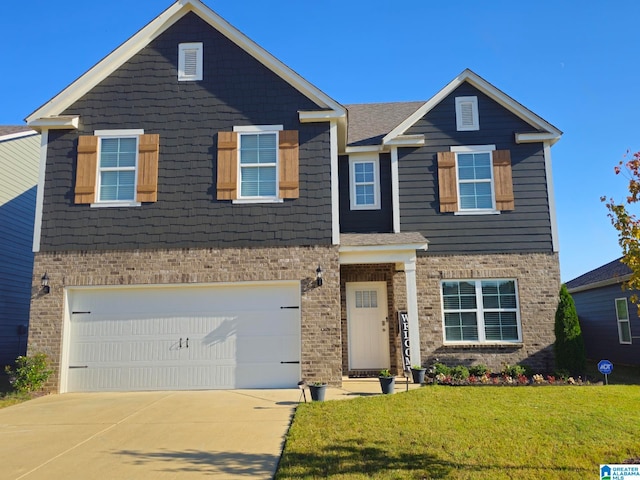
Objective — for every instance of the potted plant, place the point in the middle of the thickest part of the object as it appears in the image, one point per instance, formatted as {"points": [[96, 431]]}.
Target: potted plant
{"points": [[418, 372], [318, 390], [387, 381]]}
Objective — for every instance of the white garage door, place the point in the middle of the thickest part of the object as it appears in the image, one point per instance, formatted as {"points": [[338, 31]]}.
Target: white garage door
{"points": [[183, 338]]}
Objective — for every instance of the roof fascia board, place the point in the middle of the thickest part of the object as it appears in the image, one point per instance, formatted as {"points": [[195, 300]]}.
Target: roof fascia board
{"points": [[13, 136], [319, 116], [156, 27], [396, 254], [63, 122], [407, 141], [386, 248], [364, 149], [602, 283], [485, 87], [536, 137]]}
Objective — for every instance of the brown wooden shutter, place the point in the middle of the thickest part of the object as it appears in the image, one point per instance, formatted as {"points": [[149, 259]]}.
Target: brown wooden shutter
{"points": [[447, 183], [289, 183], [227, 185], [86, 168], [502, 179], [148, 149]]}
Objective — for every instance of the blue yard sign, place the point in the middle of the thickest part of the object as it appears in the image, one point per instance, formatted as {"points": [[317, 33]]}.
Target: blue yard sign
{"points": [[605, 367]]}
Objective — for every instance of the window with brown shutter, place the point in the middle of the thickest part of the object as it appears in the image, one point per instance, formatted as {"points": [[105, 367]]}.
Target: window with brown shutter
{"points": [[260, 157], [289, 177], [85, 189], [447, 183], [125, 155], [503, 181], [227, 184], [468, 176]]}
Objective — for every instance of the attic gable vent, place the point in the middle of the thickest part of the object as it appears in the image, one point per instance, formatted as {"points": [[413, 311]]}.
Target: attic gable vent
{"points": [[189, 62], [467, 113]]}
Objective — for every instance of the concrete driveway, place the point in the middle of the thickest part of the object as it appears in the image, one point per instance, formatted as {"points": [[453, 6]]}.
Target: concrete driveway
{"points": [[155, 435]]}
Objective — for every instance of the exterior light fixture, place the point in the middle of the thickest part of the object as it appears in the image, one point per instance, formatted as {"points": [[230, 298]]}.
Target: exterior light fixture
{"points": [[319, 276], [44, 282]]}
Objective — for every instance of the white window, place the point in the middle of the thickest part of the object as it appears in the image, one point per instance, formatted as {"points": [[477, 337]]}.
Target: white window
{"points": [[117, 166], [364, 175], [480, 311], [624, 325], [189, 62], [474, 173], [467, 117], [258, 161]]}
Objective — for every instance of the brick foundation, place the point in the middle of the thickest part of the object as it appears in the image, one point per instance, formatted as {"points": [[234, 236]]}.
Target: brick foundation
{"points": [[320, 309]]}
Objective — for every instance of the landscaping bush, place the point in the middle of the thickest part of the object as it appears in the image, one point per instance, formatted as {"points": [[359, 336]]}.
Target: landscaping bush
{"points": [[514, 371], [439, 369], [478, 370], [29, 373], [460, 372], [569, 346]]}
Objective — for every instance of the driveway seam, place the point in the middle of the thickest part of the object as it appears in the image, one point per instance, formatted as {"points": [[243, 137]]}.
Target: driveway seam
{"points": [[110, 427]]}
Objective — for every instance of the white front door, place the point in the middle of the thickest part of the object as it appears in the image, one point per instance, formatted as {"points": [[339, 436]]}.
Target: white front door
{"points": [[368, 325]]}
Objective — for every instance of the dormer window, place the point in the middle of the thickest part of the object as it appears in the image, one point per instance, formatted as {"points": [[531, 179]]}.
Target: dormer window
{"points": [[467, 117], [189, 62]]}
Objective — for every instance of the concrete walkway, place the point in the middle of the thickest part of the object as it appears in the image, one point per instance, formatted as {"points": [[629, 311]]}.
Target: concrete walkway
{"points": [[155, 435]]}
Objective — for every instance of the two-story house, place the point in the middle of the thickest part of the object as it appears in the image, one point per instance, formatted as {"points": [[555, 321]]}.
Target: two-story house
{"points": [[207, 218]]}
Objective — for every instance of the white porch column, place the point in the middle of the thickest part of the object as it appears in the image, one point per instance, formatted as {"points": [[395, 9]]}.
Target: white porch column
{"points": [[412, 311]]}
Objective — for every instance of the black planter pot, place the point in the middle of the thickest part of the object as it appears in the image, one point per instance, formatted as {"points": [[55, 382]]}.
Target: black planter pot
{"points": [[317, 392], [387, 384], [418, 375]]}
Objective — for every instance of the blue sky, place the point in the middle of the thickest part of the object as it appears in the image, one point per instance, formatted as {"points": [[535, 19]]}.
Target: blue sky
{"points": [[574, 63]]}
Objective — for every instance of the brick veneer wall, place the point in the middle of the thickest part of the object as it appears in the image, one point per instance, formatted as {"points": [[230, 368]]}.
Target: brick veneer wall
{"points": [[538, 279], [320, 308]]}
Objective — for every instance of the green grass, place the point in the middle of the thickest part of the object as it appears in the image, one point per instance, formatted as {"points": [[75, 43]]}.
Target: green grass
{"points": [[562, 432]]}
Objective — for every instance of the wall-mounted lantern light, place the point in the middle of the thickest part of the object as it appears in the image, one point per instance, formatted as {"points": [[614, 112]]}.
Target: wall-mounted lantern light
{"points": [[44, 282], [319, 276]]}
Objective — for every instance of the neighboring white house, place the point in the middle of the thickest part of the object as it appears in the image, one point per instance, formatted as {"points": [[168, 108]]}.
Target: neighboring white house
{"points": [[19, 159]]}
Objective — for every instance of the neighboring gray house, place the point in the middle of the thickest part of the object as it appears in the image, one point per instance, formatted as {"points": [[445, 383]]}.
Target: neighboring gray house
{"points": [[196, 188], [19, 158], [609, 321]]}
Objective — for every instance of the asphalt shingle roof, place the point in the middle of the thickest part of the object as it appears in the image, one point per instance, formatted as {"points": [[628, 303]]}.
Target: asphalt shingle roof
{"points": [[609, 271], [11, 129], [370, 122], [380, 239]]}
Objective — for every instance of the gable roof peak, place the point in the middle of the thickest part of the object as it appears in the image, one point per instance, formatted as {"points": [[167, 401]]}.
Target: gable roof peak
{"points": [[105, 67]]}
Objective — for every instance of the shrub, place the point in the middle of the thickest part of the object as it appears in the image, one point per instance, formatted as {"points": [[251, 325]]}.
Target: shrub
{"points": [[569, 345], [439, 369], [460, 372], [478, 370], [513, 371], [30, 373]]}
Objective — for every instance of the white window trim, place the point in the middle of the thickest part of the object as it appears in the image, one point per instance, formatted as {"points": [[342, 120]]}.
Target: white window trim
{"points": [[182, 48], [480, 313], [461, 127], [619, 321], [123, 133], [353, 160], [476, 149], [252, 129]]}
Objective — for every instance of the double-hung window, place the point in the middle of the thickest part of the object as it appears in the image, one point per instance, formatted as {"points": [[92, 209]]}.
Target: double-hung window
{"points": [[364, 183], [117, 169], [624, 325], [474, 172], [480, 311], [258, 162]]}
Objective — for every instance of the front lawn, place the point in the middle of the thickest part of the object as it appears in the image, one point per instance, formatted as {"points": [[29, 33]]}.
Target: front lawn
{"points": [[524, 432]]}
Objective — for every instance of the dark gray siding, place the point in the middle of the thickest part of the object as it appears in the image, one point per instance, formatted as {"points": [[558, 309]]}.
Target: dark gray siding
{"points": [[597, 314], [526, 229], [366, 221], [16, 268], [144, 93]]}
